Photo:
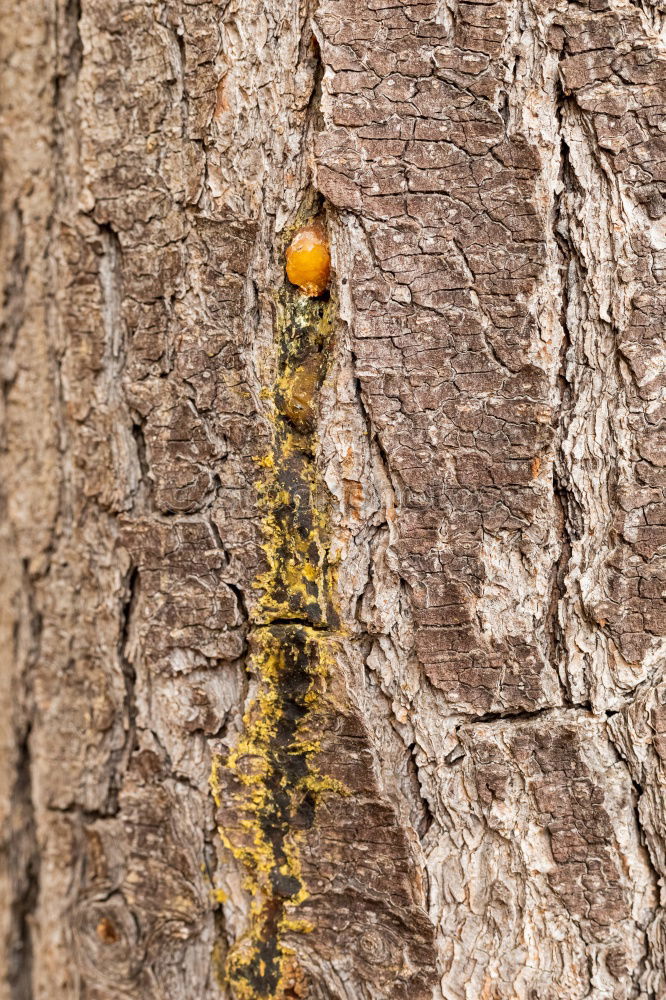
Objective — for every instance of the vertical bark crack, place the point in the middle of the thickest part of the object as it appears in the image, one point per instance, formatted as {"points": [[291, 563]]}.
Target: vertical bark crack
{"points": [[24, 856], [641, 974], [567, 511], [120, 761], [427, 817], [24, 864], [269, 784]]}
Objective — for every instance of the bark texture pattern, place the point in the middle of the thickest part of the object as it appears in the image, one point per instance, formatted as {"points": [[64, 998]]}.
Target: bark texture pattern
{"points": [[332, 630]]}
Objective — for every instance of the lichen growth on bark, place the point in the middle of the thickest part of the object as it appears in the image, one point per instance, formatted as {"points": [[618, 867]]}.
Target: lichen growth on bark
{"points": [[271, 770]]}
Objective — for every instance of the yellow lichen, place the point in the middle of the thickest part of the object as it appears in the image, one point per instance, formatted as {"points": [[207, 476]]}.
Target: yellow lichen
{"points": [[246, 968], [269, 779]]}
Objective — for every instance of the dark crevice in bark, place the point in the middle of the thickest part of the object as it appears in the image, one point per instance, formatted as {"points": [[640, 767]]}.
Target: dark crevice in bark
{"points": [[129, 673], [240, 599], [241, 603], [567, 513], [24, 865], [427, 818], [303, 622], [13, 230], [24, 856], [310, 49], [221, 948], [71, 53], [293, 617], [503, 107], [455, 756], [69, 59], [491, 717], [120, 761]]}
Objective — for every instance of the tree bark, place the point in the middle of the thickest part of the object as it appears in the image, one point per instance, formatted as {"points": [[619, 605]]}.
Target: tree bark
{"points": [[332, 627]]}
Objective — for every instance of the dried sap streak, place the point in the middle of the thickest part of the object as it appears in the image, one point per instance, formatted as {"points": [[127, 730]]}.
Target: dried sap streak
{"points": [[268, 787]]}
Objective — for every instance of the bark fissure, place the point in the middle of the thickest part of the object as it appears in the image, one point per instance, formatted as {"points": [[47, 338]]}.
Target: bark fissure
{"points": [[294, 620], [428, 817], [70, 43], [24, 855], [13, 291], [562, 496], [24, 859], [130, 710], [491, 717]]}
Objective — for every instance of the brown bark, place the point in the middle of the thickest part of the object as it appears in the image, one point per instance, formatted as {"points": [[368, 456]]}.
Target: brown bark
{"points": [[332, 628]]}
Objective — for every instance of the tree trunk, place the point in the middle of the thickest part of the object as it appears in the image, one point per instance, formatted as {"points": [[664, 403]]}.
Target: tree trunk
{"points": [[332, 629]]}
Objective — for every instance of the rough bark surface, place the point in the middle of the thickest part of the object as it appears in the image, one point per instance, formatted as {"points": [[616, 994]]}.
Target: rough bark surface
{"points": [[332, 630]]}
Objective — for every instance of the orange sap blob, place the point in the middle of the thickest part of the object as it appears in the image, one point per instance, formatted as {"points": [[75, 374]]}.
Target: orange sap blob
{"points": [[308, 260]]}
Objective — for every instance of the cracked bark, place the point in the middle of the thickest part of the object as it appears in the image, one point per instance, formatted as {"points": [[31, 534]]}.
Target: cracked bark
{"points": [[396, 585]]}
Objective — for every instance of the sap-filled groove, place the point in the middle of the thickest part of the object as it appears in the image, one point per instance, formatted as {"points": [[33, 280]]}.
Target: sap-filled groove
{"points": [[267, 788]]}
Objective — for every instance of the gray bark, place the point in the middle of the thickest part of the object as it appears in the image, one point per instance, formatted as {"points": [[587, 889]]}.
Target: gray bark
{"points": [[332, 629]]}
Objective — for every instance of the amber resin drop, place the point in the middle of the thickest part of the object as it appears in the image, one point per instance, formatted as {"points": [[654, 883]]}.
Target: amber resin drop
{"points": [[308, 260]]}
